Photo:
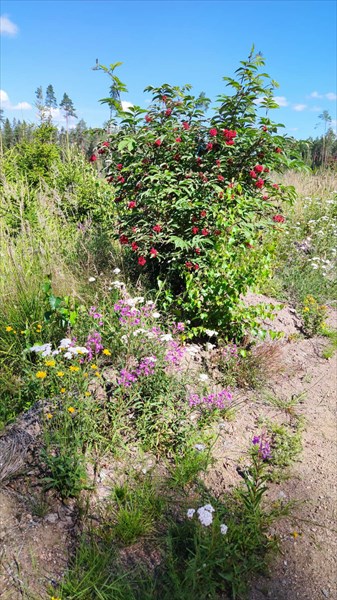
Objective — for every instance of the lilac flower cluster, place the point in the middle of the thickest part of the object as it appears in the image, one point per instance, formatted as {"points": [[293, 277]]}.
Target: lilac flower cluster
{"points": [[220, 400], [96, 315], [94, 344], [175, 353], [230, 351], [129, 315], [145, 368], [264, 450], [127, 378]]}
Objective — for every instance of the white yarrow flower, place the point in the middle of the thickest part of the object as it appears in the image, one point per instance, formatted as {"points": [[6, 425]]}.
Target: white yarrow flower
{"points": [[210, 332], [203, 377], [156, 315], [209, 346], [44, 348], [65, 343], [223, 529], [200, 447], [116, 271], [205, 515], [167, 337], [190, 513]]}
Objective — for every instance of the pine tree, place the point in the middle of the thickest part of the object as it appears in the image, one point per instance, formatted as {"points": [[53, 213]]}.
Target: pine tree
{"points": [[40, 104], [7, 134], [68, 108], [50, 97], [50, 101]]}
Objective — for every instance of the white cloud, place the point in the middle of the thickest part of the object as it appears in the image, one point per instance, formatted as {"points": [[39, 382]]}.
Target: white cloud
{"points": [[328, 96], [126, 105], [258, 100], [7, 27], [299, 107], [22, 106], [3, 97], [7, 105], [315, 95], [316, 109], [281, 100]]}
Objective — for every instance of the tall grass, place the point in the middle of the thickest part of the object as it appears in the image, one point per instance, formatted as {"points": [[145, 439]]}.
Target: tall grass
{"points": [[305, 261]]}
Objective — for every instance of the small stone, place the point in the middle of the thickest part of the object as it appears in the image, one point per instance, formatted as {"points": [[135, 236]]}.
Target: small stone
{"points": [[325, 593], [52, 518]]}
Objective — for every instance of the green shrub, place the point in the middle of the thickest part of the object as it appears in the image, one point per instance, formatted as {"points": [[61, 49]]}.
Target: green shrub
{"points": [[33, 160], [194, 198]]}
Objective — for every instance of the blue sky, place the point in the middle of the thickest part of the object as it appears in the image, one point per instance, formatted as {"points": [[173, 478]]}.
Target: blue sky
{"points": [[197, 42]]}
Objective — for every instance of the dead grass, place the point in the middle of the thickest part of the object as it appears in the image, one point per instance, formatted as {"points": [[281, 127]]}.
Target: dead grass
{"points": [[310, 184]]}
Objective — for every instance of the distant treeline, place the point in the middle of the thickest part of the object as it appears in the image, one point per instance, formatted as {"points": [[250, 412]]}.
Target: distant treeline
{"points": [[316, 152]]}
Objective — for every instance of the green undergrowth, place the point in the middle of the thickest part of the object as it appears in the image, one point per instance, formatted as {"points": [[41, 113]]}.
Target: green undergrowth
{"points": [[155, 541]]}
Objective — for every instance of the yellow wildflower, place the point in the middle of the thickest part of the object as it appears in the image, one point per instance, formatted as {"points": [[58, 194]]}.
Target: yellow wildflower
{"points": [[14, 331], [23, 332], [87, 394], [94, 366], [306, 309], [60, 373], [62, 390], [41, 374], [9, 328], [295, 534], [85, 374], [50, 363], [38, 326], [106, 352], [97, 374], [71, 409], [49, 416], [73, 368]]}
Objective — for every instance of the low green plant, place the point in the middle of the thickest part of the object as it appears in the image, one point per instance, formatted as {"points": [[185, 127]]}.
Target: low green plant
{"points": [[94, 574], [285, 444], [287, 405], [330, 350], [135, 512], [313, 315], [38, 504], [248, 367], [187, 466], [65, 469]]}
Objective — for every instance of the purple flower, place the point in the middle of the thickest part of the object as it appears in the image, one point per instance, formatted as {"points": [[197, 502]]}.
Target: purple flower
{"points": [[219, 400], [264, 450], [94, 344], [175, 352], [126, 378]]}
